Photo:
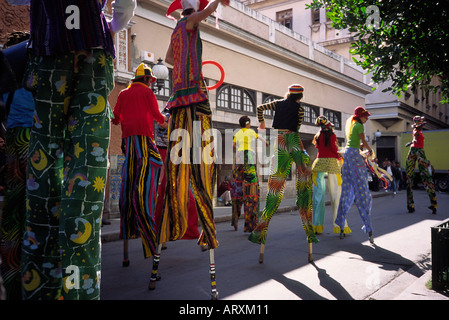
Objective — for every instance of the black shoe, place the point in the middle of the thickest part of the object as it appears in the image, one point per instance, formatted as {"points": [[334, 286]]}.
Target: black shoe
{"points": [[411, 210], [434, 210]]}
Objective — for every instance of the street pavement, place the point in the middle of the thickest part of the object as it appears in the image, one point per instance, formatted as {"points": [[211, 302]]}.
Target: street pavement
{"points": [[396, 267]]}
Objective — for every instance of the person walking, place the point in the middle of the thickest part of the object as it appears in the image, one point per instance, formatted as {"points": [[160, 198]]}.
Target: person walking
{"points": [[355, 174], [287, 120], [327, 161], [417, 154], [245, 184], [135, 111]]}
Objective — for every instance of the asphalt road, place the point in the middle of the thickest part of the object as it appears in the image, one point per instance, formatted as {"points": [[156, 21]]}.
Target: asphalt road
{"points": [[348, 269]]}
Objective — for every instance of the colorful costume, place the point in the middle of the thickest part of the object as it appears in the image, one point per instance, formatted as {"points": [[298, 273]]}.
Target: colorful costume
{"points": [[245, 184], [71, 74], [20, 119], [190, 157], [287, 120], [327, 161], [189, 104], [355, 177], [416, 153], [136, 110]]}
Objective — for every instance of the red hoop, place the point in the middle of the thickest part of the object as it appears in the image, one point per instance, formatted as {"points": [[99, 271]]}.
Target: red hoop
{"points": [[220, 82]]}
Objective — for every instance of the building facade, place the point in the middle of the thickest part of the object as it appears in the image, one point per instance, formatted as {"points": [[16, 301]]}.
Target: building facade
{"points": [[260, 58], [391, 115]]}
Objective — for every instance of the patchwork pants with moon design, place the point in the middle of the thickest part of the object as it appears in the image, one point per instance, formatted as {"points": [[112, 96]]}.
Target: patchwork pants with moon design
{"points": [[66, 175]]}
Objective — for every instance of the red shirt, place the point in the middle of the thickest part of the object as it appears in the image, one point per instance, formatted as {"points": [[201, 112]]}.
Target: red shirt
{"points": [[418, 139], [330, 151], [136, 110]]}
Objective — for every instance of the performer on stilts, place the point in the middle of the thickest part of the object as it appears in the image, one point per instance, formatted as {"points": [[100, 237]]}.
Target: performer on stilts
{"points": [[71, 75], [135, 110], [287, 120], [355, 174], [417, 154], [327, 161], [245, 184], [189, 105]]}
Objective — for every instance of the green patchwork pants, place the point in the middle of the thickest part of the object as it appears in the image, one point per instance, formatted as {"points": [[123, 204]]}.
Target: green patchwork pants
{"points": [[66, 175]]}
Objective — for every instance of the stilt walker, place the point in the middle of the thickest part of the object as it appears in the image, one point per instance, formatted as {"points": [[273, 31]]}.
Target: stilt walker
{"points": [[355, 174], [136, 110], [287, 119], [71, 74], [187, 165], [327, 161], [417, 154]]}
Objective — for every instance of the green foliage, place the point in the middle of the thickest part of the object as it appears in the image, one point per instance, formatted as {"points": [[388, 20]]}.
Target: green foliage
{"points": [[409, 45]]}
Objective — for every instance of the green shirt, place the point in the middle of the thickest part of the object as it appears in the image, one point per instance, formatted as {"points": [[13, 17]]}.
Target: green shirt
{"points": [[354, 135]]}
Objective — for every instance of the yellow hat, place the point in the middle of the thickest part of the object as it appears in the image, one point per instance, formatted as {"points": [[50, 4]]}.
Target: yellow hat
{"points": [[144, 71]]}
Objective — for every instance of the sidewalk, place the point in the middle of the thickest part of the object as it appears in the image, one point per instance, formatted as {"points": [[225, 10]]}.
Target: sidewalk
{"points": [[404, 285]]}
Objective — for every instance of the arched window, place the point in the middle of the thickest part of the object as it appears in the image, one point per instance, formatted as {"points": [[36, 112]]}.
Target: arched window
{"points": [[237, 99], [310, 113]]}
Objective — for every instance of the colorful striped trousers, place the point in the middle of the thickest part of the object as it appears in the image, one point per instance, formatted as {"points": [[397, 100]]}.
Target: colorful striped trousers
{"points": [[245, 190], [354, 189], [288, 151], [140, 175], [190, 164], [66, 175], [418, 155]]}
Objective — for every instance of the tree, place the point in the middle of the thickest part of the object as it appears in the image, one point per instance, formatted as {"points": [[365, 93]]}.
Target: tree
{"points": [[405, 42]]}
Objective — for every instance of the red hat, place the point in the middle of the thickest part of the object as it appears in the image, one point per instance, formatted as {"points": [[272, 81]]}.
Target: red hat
{"points": [[178, 5], [295, 88], [361, 112]]}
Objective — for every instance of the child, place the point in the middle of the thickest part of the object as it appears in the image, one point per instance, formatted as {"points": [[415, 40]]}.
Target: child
{"points": [[245, 185]]}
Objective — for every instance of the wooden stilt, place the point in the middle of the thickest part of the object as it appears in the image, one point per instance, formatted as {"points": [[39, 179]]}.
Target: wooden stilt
{"points": [[213, 282], [262, 250], [125, 262], [310, 252], [154, 276]]}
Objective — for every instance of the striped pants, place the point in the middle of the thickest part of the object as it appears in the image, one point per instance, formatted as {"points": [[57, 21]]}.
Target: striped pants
{"points": [[288, 151], [140, 175], [245, 190], [190, 164]]}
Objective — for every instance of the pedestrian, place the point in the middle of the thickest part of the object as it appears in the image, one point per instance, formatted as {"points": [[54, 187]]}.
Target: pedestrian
{"points": [[396, 174], [245, 185], [389, 170], [327, 161], [189, 105], [288, 118], [135, 110], [20, 109], [355, 174], [417, 154], [71, 75], [224, 191]]}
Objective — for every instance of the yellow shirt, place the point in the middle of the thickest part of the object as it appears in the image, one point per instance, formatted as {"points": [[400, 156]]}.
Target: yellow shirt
{"points": [[244, 138]]}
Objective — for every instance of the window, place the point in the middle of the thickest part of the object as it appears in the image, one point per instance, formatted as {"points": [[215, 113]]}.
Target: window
{"points": [[285, 18], [236, 99], [334, 117], [315, 16], [310, 113]]}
